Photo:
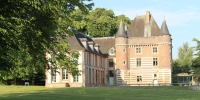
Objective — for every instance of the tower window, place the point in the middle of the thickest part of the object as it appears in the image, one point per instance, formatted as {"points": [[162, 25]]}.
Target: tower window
{"points": [[138, 50], [155, 61], [138, 62], [155, 49], [139, 78], [124, 50], [124, 62]]}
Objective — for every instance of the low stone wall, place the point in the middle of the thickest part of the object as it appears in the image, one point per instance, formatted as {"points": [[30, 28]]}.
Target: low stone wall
{"points": [[75, 84], [57, 85], [194, 87]]}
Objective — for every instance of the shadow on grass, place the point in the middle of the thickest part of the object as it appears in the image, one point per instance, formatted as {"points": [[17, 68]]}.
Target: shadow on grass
{"points": [[102, 93]]}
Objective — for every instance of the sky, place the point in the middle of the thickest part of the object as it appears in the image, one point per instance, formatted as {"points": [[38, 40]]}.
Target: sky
{"points": [[182, 16]]}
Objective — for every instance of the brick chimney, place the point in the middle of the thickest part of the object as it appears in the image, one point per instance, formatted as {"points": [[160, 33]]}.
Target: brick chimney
{"points": [[147, 16]]}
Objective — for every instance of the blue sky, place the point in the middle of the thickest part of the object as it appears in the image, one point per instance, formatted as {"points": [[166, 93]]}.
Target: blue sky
{"points": [[182, 16]]}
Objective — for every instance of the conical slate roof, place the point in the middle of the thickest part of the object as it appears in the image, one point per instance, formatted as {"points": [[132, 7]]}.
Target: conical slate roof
{"points": [[164, 29], [121, 31]]}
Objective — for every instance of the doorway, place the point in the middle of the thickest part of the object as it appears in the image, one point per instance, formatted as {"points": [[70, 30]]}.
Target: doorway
{"points": [[111, 78]]}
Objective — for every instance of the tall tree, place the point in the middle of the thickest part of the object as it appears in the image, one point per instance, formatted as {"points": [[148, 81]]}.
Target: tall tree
{"points": [[101, 22], [80, 21], [124, 19], [185, 55], [196, 60], [29, 28]]}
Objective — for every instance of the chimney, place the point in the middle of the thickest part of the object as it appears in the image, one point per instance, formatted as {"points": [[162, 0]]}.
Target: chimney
{"points": [[96, 46], [91, 44], [147, 16], [84, 42]]}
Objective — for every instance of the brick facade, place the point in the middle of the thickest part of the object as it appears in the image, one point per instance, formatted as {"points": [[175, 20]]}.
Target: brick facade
{"points": [[140, 55]]}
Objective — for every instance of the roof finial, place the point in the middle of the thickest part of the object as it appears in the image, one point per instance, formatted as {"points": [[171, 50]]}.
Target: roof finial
{"points": [[163, 18]]}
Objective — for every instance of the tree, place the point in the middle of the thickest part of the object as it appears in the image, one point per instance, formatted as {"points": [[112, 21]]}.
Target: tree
{"points": [[29, 29], [99, 22], [176, 68], [125, 20], [80, 21], [184, 61], [196, 60]]}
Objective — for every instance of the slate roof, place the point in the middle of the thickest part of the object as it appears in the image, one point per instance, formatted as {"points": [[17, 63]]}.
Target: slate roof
{"points": [[164, 29], [105, 43], [76, 44], [136, 29], [121, 31]]}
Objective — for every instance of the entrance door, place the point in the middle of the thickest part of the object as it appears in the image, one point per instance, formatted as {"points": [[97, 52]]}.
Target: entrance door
{"points": [[155, 82], [111, 80], [111, 77]]}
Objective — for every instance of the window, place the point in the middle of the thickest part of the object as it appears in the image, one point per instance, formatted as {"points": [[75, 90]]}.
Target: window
{"points": [[111, 63], [138, 62], [75, 78], [124, 50], [112, 51], [139, 78], [53, 75], [124, 62], [89, 59], [138, 50], [155, 61], [155, 75], [64, 74], [155, 50]]}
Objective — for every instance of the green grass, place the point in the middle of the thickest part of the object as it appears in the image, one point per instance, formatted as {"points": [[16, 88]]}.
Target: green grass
{"points": [[96, 93]]}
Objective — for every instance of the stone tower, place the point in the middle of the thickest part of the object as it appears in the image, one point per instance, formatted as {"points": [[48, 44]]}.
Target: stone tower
{"points": [[166, 46], [121, 48]]}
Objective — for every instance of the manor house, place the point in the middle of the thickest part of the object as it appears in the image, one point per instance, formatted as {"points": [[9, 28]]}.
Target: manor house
{"points": [[139, 55]]}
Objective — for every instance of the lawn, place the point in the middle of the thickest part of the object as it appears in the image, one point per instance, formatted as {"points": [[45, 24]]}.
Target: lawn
{"points": [[96, 93]]}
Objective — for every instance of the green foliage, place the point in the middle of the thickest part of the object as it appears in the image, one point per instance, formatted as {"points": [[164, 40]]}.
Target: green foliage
{"points": [[184, 62], [99, 22], [196, 60], [124, 19], [80, 21], [29, 29], [176, 68]]}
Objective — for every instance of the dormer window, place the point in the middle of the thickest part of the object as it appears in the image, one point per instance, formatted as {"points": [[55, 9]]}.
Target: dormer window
{"points": [[112, 51]]}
